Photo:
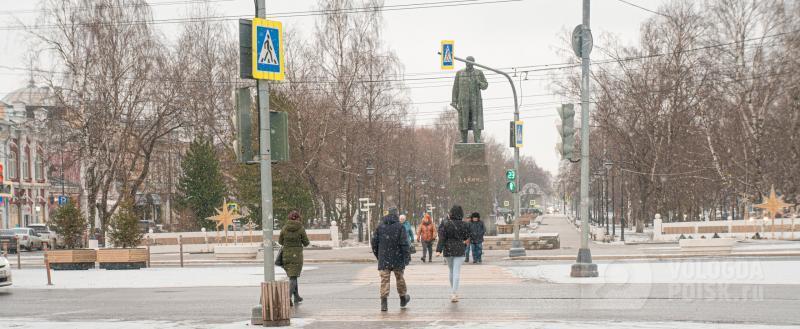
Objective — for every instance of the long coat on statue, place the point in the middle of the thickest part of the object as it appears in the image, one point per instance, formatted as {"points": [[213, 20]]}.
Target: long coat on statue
{"points": [[467, 98]]}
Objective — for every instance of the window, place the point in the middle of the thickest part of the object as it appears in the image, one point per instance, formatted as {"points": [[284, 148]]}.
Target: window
{"points": [[26, 165], [12, 165], [38, 166]]}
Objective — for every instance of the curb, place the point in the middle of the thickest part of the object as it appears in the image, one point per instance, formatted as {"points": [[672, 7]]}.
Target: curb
{"points": [[656, 256]]}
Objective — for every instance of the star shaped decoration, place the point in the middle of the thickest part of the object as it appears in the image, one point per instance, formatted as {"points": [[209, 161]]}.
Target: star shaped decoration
{"points": [[224, 217], [773, 204]]}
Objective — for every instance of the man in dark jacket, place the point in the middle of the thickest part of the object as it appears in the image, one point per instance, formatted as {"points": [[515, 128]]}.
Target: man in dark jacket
{"points": [[390, 246], [476, 232]]}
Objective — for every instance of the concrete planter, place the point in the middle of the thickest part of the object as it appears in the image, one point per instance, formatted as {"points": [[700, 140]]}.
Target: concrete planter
{"points": [[235, 252], [719, 246], [72, 259], [122, 259]]}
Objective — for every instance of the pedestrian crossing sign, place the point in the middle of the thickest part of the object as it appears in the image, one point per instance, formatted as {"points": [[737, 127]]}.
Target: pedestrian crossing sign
{"points": [[447, 55], [268, 61]]}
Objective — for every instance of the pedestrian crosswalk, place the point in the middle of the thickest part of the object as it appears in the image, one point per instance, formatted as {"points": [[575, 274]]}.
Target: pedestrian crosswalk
{"points": [[437, 273]]}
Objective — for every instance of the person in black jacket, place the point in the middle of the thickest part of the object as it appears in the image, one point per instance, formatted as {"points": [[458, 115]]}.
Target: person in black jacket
{"points": [[453, 238], [476, 232], [390, 247]]}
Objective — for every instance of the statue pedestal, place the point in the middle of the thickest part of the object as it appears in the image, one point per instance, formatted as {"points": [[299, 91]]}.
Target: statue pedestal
{"points": [[469, 182]]}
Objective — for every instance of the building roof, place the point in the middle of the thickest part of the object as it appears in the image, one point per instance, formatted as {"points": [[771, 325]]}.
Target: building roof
{"points": [[31, 96]]}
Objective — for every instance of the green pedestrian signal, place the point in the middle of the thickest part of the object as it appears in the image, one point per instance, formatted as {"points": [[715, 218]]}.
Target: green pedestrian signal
{"points": [[511, 175], [511, 186]]}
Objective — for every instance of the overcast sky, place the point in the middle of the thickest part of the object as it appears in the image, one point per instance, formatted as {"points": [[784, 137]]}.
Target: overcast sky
{"points": [[504, 35]]}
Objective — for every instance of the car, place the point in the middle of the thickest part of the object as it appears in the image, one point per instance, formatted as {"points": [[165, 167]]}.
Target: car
{"points": [[8, 241], [28, 238], [50, 238], [5, 272]]}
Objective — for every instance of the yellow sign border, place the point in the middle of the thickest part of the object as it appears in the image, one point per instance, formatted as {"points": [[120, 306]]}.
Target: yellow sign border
{"points": [[260, 22], [516, 140], [441, 58]]}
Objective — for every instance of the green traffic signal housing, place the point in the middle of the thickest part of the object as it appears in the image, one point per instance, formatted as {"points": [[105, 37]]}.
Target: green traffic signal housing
{"points": [[511, 176], [246, 126], [567, 131]]}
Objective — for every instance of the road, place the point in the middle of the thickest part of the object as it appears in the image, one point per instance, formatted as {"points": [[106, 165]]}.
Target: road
{"points": [[343, 295]]}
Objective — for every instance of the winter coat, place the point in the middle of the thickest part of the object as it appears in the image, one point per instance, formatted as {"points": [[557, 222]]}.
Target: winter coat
{"points": [[426, 230], [409, 232], [467, 97], [293, 238], [390, 244], [476, 231], [452, 234]]}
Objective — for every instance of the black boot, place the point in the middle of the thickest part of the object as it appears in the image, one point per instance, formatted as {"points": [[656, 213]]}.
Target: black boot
{"points": [[404, 300], [294, 292], [384, 305]]}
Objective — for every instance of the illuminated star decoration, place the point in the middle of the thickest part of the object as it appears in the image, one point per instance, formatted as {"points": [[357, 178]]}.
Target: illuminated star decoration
{"points": [[224, 217], [773, 204]]}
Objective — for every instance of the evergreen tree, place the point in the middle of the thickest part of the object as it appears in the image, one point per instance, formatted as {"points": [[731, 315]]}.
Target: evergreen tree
{"points": [[201, 187], [289, 192], [125, 231], [69, 223]]}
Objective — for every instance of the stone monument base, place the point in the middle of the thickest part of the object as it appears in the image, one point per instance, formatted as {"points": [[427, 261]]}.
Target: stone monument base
{"points": [[469, 182]]}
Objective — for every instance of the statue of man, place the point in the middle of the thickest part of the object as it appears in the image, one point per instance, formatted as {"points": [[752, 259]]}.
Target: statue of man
{"points": [[467, 100]]}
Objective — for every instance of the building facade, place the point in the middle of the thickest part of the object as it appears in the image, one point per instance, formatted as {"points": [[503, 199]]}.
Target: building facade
{"points": [[25, 197]]}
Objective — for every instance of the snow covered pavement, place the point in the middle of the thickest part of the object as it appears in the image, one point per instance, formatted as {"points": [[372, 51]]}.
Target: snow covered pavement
{"points": [[688, 271], [145, 278]]}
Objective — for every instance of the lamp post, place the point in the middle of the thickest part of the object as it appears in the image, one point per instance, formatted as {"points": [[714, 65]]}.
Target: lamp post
{"points": [[370, 170], [360, 223], [622, 207], [605, 195], [409, 180], [610, 165]]}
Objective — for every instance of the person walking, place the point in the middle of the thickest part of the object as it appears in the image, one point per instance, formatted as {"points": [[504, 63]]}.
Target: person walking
{"points": [[390, 247], [292, 239], [426, 235], [453, 238], [476, 232], [409, 234]]}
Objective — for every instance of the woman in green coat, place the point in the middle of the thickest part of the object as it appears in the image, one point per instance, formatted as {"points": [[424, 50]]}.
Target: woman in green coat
{"points": [[293, 238]]}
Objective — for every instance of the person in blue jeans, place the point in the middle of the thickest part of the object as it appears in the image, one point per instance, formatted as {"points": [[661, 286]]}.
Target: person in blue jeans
{"points": [[453, 237], [476, 232]]}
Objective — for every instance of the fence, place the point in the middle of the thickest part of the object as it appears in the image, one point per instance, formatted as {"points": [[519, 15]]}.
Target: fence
{"points": [[779, 229]]}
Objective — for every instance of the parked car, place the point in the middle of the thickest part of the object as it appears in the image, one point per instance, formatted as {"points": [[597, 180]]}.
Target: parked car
{"points": [[8, 240], [5, 272], [28, 238], [47, 236]]}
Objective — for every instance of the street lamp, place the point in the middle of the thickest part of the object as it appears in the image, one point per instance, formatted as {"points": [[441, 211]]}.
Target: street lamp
{"points": [[610, 165], [360, 215], [409, 180]]}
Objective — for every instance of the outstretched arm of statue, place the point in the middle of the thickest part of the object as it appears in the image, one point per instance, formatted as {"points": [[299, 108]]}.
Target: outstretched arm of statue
{"points": [[482, 81]]}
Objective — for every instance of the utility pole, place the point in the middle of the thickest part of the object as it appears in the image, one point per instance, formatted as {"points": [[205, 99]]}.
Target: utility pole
{"points": [[584, 266], [265, 162]]}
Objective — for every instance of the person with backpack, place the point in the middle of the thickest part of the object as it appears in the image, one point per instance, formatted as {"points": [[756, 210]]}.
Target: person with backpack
{"points": [[390, 247], [426, 235], [453, 239]]}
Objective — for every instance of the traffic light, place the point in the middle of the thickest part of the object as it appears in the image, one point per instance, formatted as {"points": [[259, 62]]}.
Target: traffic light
{"points": [[567, 131], [246, 127], [511, 176]]}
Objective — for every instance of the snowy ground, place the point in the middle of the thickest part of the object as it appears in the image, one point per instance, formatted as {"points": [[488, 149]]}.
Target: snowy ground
{"points": [[145, 278], [711, 272], [301, 323]]}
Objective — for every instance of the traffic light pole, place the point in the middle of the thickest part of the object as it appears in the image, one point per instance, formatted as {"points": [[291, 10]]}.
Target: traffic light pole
{"points": [[584, 266], [516, 246]]}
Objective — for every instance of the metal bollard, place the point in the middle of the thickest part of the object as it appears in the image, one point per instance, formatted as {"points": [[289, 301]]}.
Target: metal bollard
{"points": [[180, 245], [47, 267]]}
